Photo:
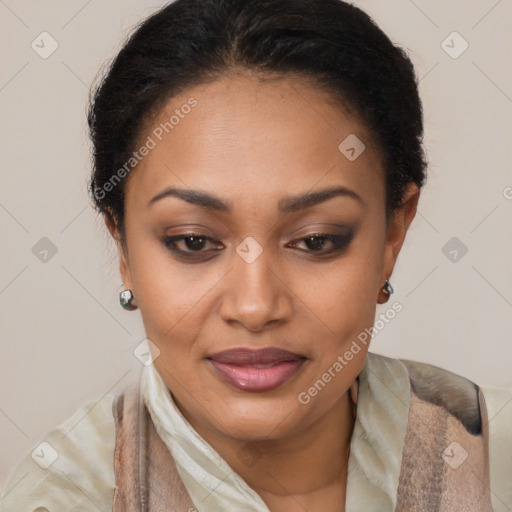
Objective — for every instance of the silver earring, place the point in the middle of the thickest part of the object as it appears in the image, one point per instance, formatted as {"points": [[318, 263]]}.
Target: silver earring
{"points": [[387, 288], [125, 298]]}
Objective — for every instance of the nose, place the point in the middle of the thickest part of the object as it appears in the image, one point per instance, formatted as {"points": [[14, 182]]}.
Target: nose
{"points": [[256, 294]]}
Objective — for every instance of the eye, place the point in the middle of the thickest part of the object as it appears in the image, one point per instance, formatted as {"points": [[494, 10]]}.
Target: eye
{"points": [[190, 243], [316, 242]]}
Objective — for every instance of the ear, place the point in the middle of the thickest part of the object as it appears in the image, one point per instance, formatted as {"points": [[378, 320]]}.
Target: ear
{"points": [[397, 228], [124, 266]]}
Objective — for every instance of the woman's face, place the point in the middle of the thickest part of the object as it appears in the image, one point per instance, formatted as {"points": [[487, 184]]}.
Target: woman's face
{"points": [[251, 277]]}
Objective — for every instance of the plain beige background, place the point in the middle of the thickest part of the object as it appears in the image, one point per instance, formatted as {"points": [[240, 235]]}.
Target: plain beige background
{"points": [[66, 340]]}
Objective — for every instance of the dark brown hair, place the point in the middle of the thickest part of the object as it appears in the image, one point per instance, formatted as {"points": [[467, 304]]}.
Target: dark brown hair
{"points": [[189, 42]]}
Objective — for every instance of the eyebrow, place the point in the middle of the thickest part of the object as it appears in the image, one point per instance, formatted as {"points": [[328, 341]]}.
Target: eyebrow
{"points": [[286, 205]]}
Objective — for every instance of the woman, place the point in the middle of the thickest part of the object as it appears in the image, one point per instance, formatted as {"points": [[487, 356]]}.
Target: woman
{"points": [[258, 165]]}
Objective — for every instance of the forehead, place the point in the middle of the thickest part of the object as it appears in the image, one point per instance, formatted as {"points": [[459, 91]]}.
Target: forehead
{"points": [[250, 137]]}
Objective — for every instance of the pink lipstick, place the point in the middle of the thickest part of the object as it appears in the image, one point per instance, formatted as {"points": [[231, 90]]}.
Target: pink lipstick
{"points": [[256, 370]]}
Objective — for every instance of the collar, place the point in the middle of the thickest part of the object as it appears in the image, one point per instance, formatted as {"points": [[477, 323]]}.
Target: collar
{"points": [[378, 437]]}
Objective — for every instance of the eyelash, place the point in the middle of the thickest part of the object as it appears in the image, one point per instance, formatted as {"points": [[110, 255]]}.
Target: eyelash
{"points": [[339, 243]]}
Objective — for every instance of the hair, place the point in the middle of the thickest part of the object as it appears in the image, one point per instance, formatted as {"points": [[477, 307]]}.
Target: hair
{"points": [[193, 42]]}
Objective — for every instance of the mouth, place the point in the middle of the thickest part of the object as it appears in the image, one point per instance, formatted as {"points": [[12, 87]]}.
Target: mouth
{"points": [[256, 370]]}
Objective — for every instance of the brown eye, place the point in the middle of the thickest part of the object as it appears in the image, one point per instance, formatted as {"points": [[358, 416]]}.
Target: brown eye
{"points": [[317, 242], [190, 243]]}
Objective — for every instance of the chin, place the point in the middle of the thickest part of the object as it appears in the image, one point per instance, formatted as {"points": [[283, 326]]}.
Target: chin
{"points": [[250, 422]]}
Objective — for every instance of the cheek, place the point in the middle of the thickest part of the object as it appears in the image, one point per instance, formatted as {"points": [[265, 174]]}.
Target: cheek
{"points": [[343, 340], [328, 385], [167, 295], [346, 306], [344, 297]]}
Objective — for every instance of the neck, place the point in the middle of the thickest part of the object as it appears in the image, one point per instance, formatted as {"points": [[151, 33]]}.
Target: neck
{"points": [[306, 464]]}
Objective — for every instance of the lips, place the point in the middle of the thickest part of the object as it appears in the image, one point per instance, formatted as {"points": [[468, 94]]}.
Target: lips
{"points": [[256, 370]]}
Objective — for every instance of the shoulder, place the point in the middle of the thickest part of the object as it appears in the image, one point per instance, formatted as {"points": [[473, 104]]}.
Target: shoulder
{"points": [[455, 393], [485, 413], [70, 468]]}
